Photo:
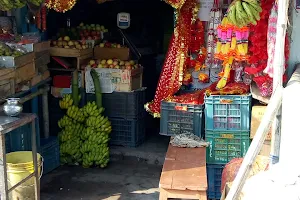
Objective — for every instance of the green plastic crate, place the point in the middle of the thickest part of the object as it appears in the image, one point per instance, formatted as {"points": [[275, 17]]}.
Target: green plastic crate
{"points": [[226, 145]]}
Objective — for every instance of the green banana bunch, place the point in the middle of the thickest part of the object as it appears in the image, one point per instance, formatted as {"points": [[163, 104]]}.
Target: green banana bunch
{"points": [[244, 12], [98, 122], [6, 5], [75, 113], [66, 102], [65, 121], [91, 109], [99, 156]]}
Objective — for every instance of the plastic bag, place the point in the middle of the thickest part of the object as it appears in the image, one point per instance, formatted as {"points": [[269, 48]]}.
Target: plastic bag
{"points": [[231, 169]]}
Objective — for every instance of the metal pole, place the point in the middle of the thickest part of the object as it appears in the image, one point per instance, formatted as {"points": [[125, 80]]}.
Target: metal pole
{"points": [[3, 174], [46, 114], [278, 67], [35, 162]]}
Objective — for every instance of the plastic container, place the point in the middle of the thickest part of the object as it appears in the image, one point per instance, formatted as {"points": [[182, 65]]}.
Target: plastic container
{"points": [[19, 166], [214, 178], [127, 132], [50, 153], [179, 118], [226, 145], [227, 112], [126, 105]]}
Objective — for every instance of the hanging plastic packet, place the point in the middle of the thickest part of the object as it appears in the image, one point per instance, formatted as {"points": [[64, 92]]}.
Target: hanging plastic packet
{"points": [[238, 68]]}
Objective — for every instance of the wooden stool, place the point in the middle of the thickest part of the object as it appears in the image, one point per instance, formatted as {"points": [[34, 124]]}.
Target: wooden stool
{"points": [[184, 174]]}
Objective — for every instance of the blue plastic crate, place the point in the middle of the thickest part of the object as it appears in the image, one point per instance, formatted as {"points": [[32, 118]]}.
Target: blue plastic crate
{"points": [[127, 132], [226, 145], [126, 105], [50, 153], [214, 178], [19, 139], [179, 118], [227, 112]]}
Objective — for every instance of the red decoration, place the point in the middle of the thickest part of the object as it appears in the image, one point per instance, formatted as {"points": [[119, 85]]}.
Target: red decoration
{"points": [[60, 5], [258, 50], [171, 75]]}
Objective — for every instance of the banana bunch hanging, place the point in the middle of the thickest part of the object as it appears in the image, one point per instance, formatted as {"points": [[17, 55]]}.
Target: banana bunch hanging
{"points": [[244, 12], [6, 5]]}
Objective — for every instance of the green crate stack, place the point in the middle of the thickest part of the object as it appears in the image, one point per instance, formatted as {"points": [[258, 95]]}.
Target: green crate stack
{"points": [[227, 130]]}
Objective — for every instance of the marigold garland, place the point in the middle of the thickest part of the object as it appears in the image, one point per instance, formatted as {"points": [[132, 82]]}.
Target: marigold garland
{"points": [[61, 6]]}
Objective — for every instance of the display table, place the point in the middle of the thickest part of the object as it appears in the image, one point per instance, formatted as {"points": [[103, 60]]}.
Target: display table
{"points": [[8, 124], [184, 174]]}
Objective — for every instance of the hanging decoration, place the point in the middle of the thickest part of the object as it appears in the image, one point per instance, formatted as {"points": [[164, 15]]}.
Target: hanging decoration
{"points": [[44, 18], [214, 22], [41, 19], [61, 6], [171, 76], [177, 4], [262, 40]]}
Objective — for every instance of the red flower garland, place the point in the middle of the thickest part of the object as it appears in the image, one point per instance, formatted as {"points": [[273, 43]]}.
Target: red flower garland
{"points": [[258, 50], [172, 73]]}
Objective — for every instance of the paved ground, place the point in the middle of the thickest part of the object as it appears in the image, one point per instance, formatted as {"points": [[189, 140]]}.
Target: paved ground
{"points": [[121, 180]]}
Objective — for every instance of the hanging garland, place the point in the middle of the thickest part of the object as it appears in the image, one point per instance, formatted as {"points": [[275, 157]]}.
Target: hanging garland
{"points": [[61, 6], [171, 76]]}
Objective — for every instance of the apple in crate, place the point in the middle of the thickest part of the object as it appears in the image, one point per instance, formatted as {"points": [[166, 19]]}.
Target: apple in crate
{"points": [[103, 62], [110, 61]]}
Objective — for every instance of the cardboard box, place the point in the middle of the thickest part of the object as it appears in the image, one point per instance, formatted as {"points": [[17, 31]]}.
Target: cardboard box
{"points": [[60, 92], [25, 72], [258, 112], [115, 80], [110, 53]]}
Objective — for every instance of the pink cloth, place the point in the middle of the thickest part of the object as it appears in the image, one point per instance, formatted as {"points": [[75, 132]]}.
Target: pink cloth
{"points": [[271, 38]]}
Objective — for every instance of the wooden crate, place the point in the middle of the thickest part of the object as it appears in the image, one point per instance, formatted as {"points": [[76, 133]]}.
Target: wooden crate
{"points": [[7, 87], [81, 56], [71, 53], [36, 48], [25, 73], [9, 61], [45, 75], [41, 69], [110, 53], [42, 60], [7, 73]]}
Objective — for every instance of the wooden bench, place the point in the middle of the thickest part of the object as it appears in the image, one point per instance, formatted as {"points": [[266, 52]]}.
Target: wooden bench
{"points": [[184, 174]]}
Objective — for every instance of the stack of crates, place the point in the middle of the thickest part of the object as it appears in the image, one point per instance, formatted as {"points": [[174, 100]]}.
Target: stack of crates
{"points": [[126, 112], [227, 129]]}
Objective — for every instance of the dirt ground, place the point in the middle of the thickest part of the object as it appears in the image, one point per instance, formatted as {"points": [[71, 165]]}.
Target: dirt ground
{"points": [[121, 180]]}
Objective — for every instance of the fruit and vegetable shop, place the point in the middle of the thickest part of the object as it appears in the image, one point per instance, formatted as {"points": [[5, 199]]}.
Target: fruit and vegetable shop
{"points": [[146, 99]]}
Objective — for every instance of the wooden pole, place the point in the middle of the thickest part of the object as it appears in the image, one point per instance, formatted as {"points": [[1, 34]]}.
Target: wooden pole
{"points": [[279, 66], [256, 145]]}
